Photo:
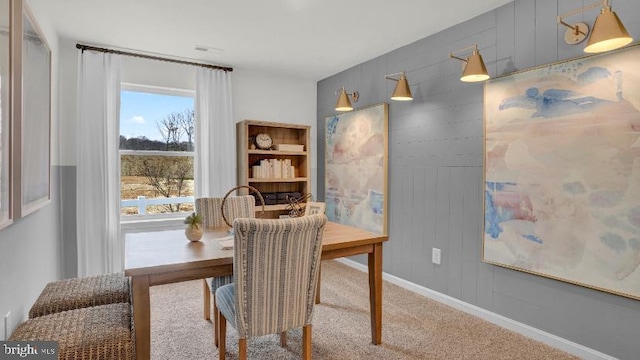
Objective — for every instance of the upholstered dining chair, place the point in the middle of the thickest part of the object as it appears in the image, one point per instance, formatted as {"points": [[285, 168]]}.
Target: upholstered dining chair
{"points": [[210, 210], [275, 268]]}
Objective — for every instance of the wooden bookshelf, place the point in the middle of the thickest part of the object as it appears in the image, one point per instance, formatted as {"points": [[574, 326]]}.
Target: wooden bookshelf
{"points": [[248, 156]]}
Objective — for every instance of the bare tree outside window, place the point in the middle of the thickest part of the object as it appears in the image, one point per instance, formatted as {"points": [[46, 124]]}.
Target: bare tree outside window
{"points": [[171, 130], [147, 172], [186, 123], [167, 175]]}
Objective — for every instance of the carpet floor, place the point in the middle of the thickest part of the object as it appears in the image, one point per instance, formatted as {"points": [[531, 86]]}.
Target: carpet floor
{"points": [[414, 327]]}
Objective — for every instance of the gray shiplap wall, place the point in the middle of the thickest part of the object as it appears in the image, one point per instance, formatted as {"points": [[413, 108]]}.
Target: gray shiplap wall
{"points": [[436, 174]]}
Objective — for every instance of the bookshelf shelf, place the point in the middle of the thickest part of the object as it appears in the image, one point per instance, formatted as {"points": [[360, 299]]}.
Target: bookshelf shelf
{"points": [[262, 180]]}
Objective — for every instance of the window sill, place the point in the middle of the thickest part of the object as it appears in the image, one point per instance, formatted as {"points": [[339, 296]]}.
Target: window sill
{"points": [[152, 223]]}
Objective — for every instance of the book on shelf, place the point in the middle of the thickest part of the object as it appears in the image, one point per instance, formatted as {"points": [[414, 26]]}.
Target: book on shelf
{"points": [[289, 147], [273, 169]]}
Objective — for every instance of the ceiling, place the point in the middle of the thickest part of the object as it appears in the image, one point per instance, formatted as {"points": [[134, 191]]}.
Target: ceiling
{"points": [[307, 39]]}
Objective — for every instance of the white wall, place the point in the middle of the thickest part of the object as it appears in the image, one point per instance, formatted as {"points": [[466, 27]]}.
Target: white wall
{"points": [[68, 93], [158, 73]]}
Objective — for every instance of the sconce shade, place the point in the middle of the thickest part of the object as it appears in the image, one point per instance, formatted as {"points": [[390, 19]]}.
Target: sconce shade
{"points": [[343, 103], [475, 69], [402, 91], [608, 33]]}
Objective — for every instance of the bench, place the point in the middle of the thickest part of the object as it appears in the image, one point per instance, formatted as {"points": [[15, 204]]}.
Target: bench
{"points": [[82, 292], [97, 332], [89, 317]]}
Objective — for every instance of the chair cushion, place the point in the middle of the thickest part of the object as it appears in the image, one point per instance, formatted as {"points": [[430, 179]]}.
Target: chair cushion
{"points": [[225, 299], [216, 282], [82, 292], [99, 332]]}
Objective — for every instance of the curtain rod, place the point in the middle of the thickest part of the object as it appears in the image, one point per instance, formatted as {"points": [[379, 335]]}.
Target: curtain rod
{"points": [[118, 52]]}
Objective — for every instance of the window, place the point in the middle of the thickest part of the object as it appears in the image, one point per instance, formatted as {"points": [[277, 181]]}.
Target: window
{"points": [[156, 151]]}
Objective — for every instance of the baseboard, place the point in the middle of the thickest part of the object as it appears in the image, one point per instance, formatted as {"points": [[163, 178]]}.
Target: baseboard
{"points": [[526, 330]]}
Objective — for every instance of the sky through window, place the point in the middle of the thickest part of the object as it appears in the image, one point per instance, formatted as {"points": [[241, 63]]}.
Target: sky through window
{"points": [[140, 111]]}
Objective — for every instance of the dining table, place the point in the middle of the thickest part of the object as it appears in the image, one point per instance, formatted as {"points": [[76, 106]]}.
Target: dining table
{"points": [[164, 257]]}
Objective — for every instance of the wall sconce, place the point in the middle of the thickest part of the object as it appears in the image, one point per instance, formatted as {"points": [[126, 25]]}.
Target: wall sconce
{"points": [[343, 103], [474, 70], [608, 32], [402, 92]]}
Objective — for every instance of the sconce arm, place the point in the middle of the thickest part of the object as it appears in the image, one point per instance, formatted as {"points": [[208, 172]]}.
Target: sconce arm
{"points": [[572, 27], [603, 3], [457, 57], [390, 76], [452, 54]]}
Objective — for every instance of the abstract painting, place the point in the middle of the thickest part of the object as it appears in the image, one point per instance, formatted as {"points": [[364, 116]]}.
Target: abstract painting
{"points": [[562, 171], [356, 152]]}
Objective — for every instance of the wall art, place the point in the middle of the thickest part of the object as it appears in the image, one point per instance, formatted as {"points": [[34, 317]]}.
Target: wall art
{"points": [[32, 132], [356, 164], [562, 171]]}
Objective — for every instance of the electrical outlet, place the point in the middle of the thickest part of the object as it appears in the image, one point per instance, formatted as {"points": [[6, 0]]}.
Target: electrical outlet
{"points": [[436, 256]]}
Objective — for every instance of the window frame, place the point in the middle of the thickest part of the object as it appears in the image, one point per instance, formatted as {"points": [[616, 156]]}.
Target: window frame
{"points": [[153, 221]]}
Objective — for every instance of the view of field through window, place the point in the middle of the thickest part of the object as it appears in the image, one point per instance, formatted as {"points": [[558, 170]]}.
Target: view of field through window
{"points": [[156, 152]]}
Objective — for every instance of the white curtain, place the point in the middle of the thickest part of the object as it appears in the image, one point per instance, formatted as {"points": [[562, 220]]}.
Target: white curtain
{"points": [[100, 247], [215, 152]]}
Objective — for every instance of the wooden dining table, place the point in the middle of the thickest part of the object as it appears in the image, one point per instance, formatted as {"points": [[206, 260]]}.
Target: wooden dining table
{"points": [[164, 257]]}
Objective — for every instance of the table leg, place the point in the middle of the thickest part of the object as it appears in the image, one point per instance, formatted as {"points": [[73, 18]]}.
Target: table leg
{"points": [[142, 316], [375, 293]]}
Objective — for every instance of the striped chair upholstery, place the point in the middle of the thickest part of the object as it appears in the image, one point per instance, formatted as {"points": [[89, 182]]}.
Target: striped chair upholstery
{"points": [[235, 207], [276, 265], [209, 208]]}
